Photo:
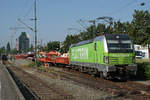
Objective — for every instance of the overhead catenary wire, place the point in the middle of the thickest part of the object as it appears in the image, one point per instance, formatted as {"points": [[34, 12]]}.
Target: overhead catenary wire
{"points": [[122, 8], [82, 23], [24, 15], [27, 8], [26, 4], [28, 11]]}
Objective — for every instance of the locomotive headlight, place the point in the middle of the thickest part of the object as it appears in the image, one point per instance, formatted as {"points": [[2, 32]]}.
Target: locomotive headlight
{"points": [[106, 59]]}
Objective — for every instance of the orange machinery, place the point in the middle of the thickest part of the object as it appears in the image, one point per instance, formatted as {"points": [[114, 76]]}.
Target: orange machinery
{"points": [[42, 57], [62, 60], [53, 58], [48, 57]]}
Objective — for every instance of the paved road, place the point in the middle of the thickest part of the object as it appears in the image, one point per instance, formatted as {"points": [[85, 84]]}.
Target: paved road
{"points": [[7, 88]]}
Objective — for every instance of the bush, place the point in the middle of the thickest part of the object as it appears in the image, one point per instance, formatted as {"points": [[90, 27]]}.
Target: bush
{"points": [[143, 70], [147, 72], [42, 68], [39, 63]]}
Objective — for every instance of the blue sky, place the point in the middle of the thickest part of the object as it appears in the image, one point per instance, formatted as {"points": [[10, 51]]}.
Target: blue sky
{"points": [[56, 16]]}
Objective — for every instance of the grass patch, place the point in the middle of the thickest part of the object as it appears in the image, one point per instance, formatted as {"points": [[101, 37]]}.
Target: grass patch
{"points": [[32, 64], [142, 60], [42, 68], [50, 70]]}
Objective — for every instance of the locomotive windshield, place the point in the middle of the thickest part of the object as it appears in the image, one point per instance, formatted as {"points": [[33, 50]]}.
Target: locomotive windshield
{"points": [[120, 45]]}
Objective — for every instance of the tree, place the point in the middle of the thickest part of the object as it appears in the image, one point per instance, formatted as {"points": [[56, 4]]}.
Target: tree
{"points": [[53, 46], [8, 47], [118, 27], [93, 31], [138, 29], [2, 50], [101, 29], [141, 27], [70, 39], [14, 51]]}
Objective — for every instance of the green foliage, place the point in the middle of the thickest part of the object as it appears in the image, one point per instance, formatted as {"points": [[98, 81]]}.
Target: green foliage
{"points": [[39, 63], [30, 49], [119, 27], [2, 50], [42, 68], [14, 51], [8, 47], [138, 29], [143, 71], [101, 29], [32, 64], [140, 71], [147, 72], [142, 60], [141, 27], [53, 46], [70, 39]]}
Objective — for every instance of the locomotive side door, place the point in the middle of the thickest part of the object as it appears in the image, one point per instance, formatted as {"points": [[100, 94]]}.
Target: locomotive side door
{"points": [[96, 56]]}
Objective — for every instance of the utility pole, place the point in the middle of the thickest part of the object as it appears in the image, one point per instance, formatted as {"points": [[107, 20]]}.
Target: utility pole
{"points": [[35, 30]]}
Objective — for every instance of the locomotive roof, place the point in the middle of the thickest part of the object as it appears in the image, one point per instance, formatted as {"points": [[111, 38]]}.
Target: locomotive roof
{"points": [[82, 43], [107, 36], [117, 36]]}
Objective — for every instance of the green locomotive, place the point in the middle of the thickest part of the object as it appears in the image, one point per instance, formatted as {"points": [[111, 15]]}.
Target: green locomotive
{"points": [[111, 56]]}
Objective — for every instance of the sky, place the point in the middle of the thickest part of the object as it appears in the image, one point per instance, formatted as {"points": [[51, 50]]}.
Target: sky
{"points": [[55, 17]]}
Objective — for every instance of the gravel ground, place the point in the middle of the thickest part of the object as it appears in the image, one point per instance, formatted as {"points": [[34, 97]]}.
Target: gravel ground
{"points": [[83, 87], [146, 82], [38, 87], [21, 62], [78, 91]]}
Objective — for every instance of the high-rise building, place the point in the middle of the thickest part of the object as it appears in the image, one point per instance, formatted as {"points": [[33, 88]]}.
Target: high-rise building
{"points": [[23, 42]]}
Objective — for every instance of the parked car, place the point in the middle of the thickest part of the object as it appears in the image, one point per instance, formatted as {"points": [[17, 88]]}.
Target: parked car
{"points": [[139, 54]]}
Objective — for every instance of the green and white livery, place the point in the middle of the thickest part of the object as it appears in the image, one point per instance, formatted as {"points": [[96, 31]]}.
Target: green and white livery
{"points": [[110, 55]]}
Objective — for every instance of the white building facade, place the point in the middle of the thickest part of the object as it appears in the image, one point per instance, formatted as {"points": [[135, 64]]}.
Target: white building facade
{"points": [[143, 49]]}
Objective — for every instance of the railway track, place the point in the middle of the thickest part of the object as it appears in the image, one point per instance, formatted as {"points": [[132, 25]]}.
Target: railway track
{"points": [[37, 89], [128, 89], [119, 90]]}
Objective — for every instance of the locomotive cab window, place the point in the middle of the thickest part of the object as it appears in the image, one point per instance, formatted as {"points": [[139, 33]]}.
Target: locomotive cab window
{"points": [[120, 45]]}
